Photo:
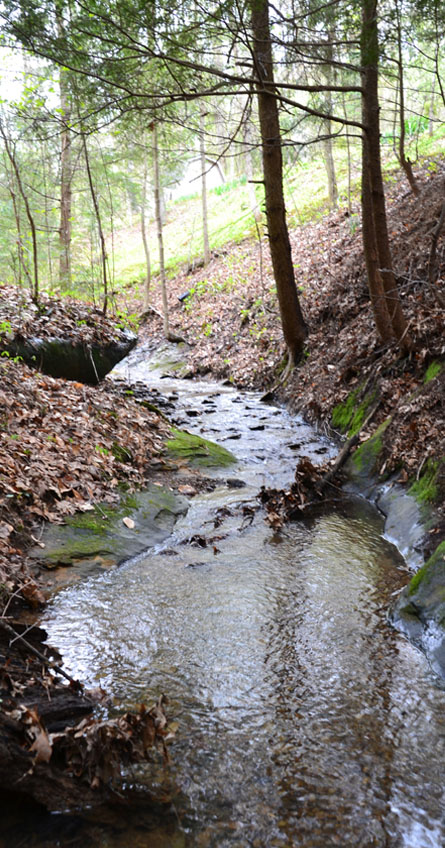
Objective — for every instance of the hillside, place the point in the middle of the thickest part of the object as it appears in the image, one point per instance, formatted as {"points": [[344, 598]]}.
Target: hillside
{"points": [[230, 318]]}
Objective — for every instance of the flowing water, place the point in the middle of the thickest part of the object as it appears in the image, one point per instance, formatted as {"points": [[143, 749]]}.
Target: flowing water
{"points": [[304, 719]]}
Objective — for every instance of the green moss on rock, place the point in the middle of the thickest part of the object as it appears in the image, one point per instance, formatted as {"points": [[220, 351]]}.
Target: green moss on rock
{"points": [[348, 417], [425, 489], [198, 451], [102, 531], [432, 371], [366, 456]]}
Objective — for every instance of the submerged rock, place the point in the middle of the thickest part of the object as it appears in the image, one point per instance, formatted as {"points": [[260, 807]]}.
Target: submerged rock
{"points": [[420, 610]]}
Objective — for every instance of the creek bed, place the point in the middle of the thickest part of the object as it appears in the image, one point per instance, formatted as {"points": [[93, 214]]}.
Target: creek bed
{"points": [[304, 719]]}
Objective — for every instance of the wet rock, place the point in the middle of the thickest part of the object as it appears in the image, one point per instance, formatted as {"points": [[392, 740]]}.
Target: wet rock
{"points": [[198, 451], [235, 483], [420, 610], [90, 539], [83, 363]]}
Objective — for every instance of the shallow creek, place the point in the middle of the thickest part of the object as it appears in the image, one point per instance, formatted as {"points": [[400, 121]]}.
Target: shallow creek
{"points": [[304, 719]]}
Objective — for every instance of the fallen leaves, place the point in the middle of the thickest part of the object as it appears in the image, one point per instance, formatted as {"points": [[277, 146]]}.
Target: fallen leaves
{"points": [[59, 448]]}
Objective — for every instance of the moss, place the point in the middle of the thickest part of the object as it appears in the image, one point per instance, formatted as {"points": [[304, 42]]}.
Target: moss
{"points": [[97, 520], [121, 453], [196, 450], [348, 417], [343, 413], [420, 575], [425, 489], [365, 457], [432, 371]]}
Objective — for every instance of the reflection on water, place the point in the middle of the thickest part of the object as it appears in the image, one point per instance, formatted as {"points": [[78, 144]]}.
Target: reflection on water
{"points": [[304, 720]]}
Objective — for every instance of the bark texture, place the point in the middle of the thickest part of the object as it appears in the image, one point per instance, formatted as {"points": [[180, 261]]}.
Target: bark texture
{"points": [[375, 216], [294, 327]]}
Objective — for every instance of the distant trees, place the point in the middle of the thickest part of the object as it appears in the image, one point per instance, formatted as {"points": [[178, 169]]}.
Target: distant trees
{"points": [[314, 70]]}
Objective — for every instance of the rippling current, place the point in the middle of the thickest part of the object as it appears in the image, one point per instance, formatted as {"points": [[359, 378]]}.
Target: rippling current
{"points": [[303, 718]]}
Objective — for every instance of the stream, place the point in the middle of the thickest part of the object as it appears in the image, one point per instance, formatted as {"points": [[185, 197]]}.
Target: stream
{"points": [[303, 718]]}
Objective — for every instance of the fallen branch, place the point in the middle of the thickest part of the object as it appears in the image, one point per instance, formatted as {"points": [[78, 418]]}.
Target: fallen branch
{"points": [[346, 450]]}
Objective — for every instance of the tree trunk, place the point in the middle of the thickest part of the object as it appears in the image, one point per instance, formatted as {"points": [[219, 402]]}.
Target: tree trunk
{"points": [[12, 158], [99, 225], [158, 216], [144, 239], [327, 143], [330, 167], [294, 327], [401, 155], [248, 165], [65, 182], [372, 165], [375, 284], [205, 223]]}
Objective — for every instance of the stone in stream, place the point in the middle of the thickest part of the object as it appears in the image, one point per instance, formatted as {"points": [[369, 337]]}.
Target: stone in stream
{"points": [[235, 483], [108, 535], [197, 452], [420, 610]]}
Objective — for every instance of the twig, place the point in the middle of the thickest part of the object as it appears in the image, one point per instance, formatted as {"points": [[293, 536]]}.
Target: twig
{"points": [[93, 363], [39, 655]]}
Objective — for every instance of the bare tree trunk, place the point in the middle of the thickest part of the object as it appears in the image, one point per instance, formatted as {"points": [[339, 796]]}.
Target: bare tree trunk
{"points": [[99, 225], [205, 221], [375, 284], [330, 167], [348, 149], [327, 143], [14, 164], [401, 154], [158, 216], [294, 327], [372, 165], [431, 109], [47, 225], [65, 184], [248, 165], [147, 282]]}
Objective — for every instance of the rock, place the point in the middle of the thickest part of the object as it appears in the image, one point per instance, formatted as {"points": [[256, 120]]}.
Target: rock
{"points": [[83, 363], [235, 483], [198, 451], [100, 538], [420, 610]]}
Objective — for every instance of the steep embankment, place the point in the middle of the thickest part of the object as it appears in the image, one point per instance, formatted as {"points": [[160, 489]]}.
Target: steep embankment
{"points": [[230, 317]]}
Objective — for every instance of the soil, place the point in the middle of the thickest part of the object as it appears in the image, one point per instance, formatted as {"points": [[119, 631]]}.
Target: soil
{"points": [[65, 446]]}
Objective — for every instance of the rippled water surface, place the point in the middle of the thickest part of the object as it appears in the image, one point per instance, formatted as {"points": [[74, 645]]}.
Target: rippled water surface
{"points": [[304, 720]]}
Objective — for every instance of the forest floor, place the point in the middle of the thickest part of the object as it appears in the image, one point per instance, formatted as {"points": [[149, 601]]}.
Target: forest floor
{"points": [[65, 446]]}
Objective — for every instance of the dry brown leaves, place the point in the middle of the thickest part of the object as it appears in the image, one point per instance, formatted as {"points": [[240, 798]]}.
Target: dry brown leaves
{"points": [[64, 445], [68, 319]]}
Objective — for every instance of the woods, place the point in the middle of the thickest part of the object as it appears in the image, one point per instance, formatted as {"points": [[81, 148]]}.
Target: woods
{"points": [[150, 67], [251, 194]]}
